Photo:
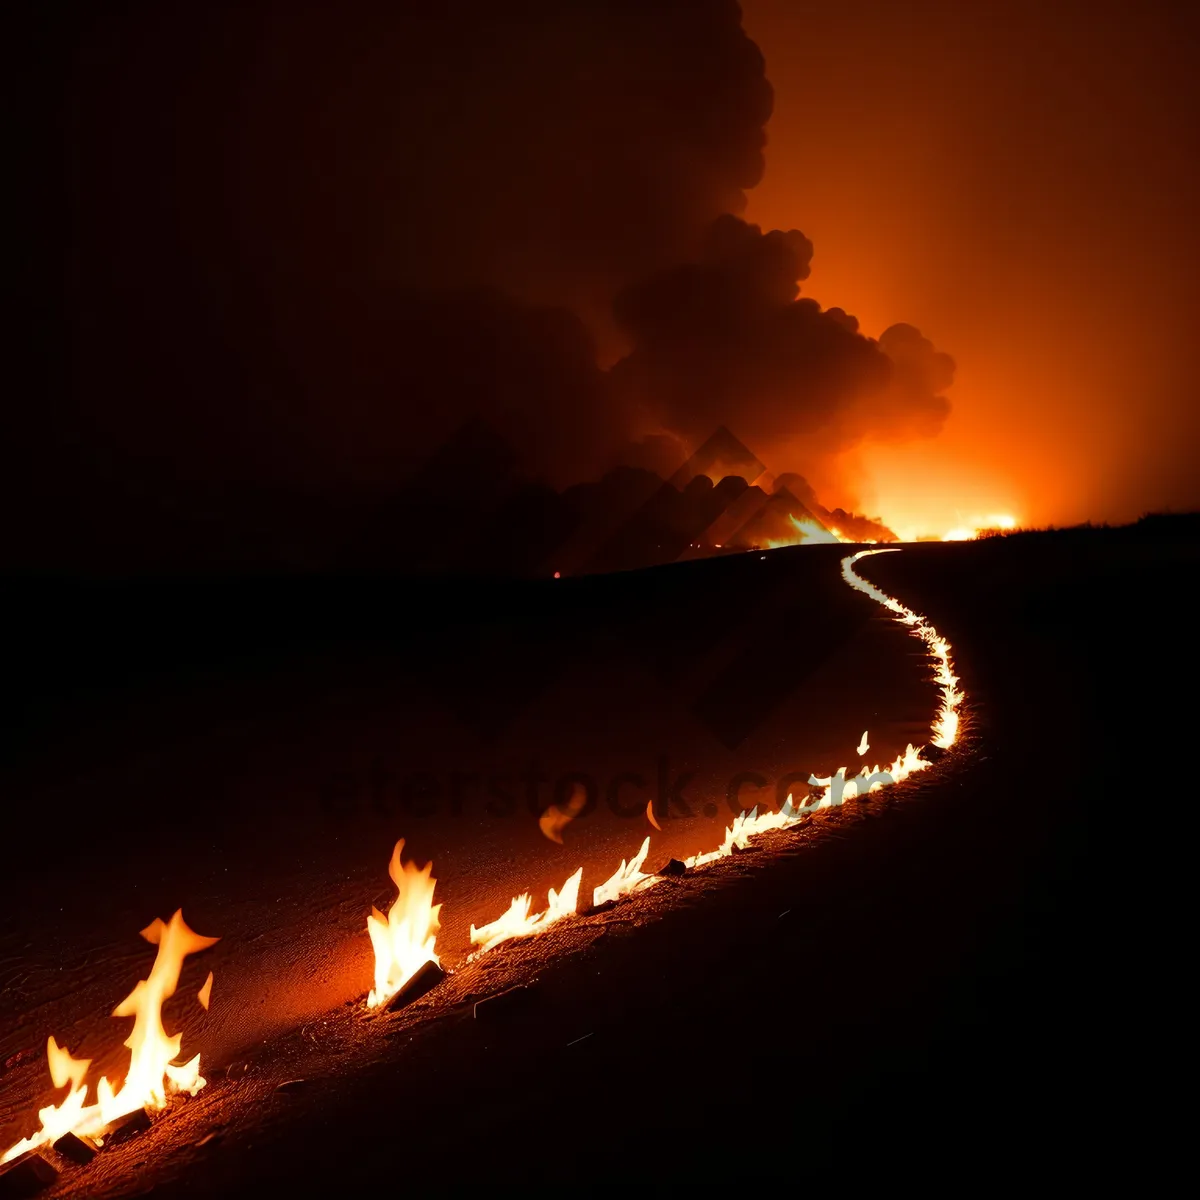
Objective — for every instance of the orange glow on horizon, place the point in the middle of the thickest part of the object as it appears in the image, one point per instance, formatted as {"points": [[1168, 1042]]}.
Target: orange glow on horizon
{"points": [[966, 533], [1068, 400]]}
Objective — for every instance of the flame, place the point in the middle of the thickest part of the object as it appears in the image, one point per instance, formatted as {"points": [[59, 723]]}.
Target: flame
{"points": [[151, 1077], [837, 789], [557, 817], [808, 532], [517, 922], [151, 1049], [627, 879], [63, 1068], [72, 1114], [747, 825], [863, 745], [813, 531], [404, 939]]}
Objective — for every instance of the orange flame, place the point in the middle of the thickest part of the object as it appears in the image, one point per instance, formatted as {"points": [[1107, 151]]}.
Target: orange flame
{"points": [[517, 922], [966, 533], [151, 1077], [837, 789], [403, 940], [747, 825], [808, 532], [627, 879], [557, 817], [63, 1068], [151, 1049]]}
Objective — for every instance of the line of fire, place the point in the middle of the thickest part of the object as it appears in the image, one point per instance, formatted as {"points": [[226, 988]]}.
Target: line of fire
{"points": [[407, 962]]}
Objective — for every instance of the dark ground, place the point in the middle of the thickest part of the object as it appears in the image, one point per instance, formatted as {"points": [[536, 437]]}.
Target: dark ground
{"points": [[964, 983]]}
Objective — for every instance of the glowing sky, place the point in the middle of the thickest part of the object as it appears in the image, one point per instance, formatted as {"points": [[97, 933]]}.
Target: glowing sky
{"points": [[1018, 181]]}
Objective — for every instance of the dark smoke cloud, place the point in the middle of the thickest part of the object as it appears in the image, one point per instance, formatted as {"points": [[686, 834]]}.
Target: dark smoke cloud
{"points": [[240, 201], [914, 403], [555, 150], [291, 247], [729, 339]]}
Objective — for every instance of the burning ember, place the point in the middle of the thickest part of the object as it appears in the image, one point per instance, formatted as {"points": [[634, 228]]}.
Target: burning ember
{"points": [[517, 922], [152, 1076], [404, 939]]}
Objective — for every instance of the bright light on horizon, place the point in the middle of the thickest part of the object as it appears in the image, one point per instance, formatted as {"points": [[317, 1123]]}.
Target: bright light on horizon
{"points": [[963, 533]]}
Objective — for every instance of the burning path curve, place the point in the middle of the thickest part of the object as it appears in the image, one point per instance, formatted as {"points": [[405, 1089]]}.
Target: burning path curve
{"points": [[416, 913], [413, 919]]}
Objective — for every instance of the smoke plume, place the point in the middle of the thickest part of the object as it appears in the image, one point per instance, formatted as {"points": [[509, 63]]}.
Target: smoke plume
{"points": [[728, 339], [305, 243]]}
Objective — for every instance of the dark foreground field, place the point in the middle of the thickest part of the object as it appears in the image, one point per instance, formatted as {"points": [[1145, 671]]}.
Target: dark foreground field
{"points": [[949, 981]]}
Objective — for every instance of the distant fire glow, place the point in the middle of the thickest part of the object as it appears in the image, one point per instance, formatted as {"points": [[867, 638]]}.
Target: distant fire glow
{"points": [[967, 533], [808, 532]]}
